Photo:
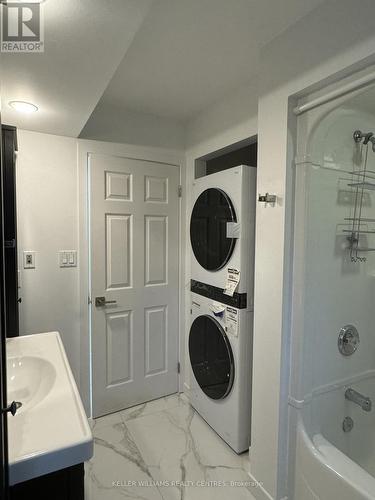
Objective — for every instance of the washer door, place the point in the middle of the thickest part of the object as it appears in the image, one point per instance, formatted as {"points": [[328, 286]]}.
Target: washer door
{"points": [[211, 357], [208, 229]]}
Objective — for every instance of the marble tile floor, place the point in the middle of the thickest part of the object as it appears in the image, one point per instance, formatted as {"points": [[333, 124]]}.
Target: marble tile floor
{"points": [[163, 450]]}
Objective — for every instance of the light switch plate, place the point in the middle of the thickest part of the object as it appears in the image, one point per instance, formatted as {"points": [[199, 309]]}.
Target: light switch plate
{"points": [[68, 258], [29, 259]]}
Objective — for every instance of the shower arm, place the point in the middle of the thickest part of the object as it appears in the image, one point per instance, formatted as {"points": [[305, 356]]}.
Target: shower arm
{"points": [[367, 137]]}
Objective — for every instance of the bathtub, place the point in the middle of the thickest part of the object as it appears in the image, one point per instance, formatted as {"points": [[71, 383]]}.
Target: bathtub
{"points": [[330, 463]]}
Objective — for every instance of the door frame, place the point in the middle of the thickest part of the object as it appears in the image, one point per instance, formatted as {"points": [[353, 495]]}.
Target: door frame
{"points": [[4, 473], [172, 157]]}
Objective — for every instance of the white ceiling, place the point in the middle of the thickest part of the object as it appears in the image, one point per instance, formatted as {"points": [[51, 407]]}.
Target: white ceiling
{"points": [[170, 58], [85, 41], [189, 53]]}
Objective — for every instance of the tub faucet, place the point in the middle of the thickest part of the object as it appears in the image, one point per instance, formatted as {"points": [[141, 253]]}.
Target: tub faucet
{"points": [[358, 398]]}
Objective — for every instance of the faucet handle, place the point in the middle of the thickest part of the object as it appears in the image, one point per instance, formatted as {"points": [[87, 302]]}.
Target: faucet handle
{"points": [[12, 408]]}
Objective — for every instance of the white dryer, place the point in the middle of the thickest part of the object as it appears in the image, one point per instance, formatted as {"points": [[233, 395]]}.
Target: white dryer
{"points": [[220, 351], [222, 229]]}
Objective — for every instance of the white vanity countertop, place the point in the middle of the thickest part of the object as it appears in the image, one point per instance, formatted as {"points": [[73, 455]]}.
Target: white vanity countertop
{"points": [[50, 431]]}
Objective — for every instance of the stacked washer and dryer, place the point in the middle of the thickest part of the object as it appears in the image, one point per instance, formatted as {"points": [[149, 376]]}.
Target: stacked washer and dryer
{"points": [[222, 234]]}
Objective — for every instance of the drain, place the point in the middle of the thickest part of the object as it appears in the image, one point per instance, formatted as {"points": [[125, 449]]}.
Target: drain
{"points": [[347, 424]]}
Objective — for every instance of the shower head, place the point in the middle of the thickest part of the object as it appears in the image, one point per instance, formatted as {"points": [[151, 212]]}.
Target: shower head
{"points": [[357, 136], [366, 136]]}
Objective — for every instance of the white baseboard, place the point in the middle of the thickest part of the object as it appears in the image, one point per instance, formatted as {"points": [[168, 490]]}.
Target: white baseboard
{"points": [[259, 492]]}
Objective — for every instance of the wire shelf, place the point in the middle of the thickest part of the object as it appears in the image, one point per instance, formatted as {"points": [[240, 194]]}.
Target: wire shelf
{"points": [[363, 185], [370, 174], [358, 231], [357, 219]]}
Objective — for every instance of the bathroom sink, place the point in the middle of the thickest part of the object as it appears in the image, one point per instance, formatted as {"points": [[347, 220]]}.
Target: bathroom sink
{"points": [[50, 430], [30, 379]]}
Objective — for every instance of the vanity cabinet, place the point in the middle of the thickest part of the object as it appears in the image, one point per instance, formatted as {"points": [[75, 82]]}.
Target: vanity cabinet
{"points": [[65, 484]]}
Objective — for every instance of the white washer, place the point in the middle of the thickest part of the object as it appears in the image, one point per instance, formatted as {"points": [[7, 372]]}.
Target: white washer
{"points": [[221, 369], [222, 228]]}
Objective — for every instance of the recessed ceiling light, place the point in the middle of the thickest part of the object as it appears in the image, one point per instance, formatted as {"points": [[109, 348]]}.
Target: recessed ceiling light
{"points": [[23, 107]]}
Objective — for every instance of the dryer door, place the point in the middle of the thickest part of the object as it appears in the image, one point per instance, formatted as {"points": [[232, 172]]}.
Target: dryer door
{"points": [[211, 357], [208, 229]]}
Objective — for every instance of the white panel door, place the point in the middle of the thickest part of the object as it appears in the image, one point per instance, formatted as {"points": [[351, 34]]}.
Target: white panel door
{"points": [[134, 266]]}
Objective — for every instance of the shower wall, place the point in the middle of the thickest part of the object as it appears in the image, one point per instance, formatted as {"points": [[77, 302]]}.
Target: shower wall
{"points": [[336, 291], [333, 287]]}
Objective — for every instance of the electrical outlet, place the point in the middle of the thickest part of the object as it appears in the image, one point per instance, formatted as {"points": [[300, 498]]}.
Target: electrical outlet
{"points": [[28, 259]]}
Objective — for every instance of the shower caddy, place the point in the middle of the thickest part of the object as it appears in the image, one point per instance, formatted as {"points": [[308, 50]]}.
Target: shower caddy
{"points": [[363, 180]]}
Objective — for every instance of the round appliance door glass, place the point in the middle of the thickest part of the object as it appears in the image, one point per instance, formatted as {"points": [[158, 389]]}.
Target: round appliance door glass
{"points": [[211, 357], [208, 229]]}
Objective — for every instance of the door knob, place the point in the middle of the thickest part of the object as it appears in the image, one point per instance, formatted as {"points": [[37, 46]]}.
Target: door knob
{"points": [[101, 302]]}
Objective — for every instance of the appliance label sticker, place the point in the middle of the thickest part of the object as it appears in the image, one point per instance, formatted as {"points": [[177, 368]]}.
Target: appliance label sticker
{"points": [[231, 319], [233, 278]]}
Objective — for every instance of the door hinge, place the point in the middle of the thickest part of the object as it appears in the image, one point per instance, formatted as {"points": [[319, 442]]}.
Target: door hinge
{"points": [[89, 301], [10, 243], [178, 367], [179, 191]]}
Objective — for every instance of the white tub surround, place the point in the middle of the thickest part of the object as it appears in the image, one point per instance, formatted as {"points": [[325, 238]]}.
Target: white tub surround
{"points": [[332, 387], [50, 431]]}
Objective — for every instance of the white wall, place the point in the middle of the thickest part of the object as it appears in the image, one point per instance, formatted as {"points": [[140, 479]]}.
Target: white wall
{"points": [[112, 123], [47, 205], [230, 120], [326, 42]]}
